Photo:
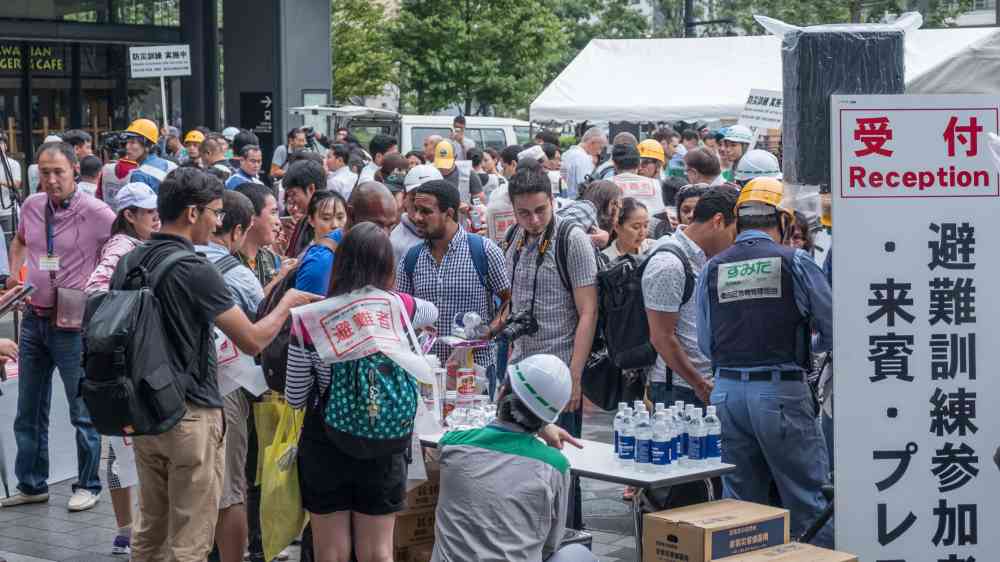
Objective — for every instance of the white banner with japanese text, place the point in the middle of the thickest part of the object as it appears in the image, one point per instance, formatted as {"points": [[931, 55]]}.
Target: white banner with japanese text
{"points": [[916, 210], [360, 323]]}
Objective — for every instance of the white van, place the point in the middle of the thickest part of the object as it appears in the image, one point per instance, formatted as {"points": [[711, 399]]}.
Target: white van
{"points": [[411, 130]]}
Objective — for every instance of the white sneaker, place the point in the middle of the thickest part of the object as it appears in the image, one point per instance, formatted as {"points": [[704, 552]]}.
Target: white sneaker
{"points": [[24, 499], [82, 500]]}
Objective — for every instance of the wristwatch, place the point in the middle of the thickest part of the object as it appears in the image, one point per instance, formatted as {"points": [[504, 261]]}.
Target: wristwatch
{"points": [[3, 279]]}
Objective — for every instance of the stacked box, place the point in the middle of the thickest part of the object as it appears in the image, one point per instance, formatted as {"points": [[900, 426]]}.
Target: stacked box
{"points": [[713, 530], [795, 552], [413, 538], [821, 62]]}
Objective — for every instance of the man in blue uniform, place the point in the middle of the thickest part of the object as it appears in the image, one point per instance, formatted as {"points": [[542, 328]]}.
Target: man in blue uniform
{"points": [[142, 135], [759, 304]]}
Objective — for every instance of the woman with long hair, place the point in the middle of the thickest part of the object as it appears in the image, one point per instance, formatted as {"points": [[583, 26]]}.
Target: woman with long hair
{"points": [[136, 221], [351, 501]]}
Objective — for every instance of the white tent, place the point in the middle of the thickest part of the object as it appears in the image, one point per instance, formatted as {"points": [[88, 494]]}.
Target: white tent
{"points": [[709, 78]]}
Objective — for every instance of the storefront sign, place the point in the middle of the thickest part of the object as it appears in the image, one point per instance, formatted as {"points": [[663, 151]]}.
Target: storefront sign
{"points": [[161, 60], [763, 110], [54, 60], [915, 201]]}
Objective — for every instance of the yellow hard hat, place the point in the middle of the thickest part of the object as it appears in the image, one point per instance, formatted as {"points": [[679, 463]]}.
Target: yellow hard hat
{"points": [[145, 129], [652, 149], [768, 191], [194, 136]]}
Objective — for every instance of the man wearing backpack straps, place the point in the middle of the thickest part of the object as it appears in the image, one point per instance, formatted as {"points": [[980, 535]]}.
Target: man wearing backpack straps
{"points": [[457, 271], [672, 317], [560, 295], [232, 531], [181, 470]]}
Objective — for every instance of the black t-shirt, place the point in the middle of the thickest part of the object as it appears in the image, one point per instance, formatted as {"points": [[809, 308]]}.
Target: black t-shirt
{"points": [[475, 185], [192, 295]]}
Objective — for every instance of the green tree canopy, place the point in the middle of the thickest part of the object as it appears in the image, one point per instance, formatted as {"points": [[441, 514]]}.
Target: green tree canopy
{"points": [[363, 62], [477, 53]]}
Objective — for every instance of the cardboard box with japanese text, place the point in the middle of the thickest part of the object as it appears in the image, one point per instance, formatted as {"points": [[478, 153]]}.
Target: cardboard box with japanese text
{"points": [[710, 531], [794, 552], [414, 527], [425, 495]]}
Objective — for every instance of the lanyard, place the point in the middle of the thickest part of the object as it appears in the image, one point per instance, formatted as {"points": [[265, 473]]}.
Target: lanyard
{"points": [[50, 236]]}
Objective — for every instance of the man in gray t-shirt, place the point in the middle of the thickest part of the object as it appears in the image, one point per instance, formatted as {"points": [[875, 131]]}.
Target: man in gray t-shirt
{"points": [[672, 322]]}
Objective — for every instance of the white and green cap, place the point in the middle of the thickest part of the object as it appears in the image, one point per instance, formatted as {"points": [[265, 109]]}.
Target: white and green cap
{"points": [[543, 383]]}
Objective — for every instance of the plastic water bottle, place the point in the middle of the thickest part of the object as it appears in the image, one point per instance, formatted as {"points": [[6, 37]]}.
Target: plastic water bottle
{"points": [[713, 430], [643, 442], [638, 405], [617, 424], [697, 440], [658, 407], [626, 441], [675, 434], [661, 448]]}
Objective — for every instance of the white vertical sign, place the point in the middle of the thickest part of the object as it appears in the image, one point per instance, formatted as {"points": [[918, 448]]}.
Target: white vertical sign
{"points": [[158, 62], [916, 217]]}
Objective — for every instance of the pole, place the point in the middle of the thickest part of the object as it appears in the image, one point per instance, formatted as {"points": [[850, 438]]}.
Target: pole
{"points": [[163, 100], [689, 18]]}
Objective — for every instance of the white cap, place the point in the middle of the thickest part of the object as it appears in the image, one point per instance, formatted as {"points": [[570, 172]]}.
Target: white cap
{"points": [[230, 133], [534, 153], [420, 174], [757, 163], [52, 138], [738, 133], [135, 194], [543, 383]]}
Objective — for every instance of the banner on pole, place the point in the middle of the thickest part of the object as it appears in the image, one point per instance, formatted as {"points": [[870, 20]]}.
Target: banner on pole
{"points": [[160, 60]]}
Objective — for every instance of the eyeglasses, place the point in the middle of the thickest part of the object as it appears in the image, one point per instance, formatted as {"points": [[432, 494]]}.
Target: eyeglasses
{"points": [[220, 215]]}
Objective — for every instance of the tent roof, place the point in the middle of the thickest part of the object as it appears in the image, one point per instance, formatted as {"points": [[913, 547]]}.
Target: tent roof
{"points": [[709, 77]]}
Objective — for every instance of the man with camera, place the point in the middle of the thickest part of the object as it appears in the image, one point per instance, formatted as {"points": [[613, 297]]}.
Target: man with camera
{"points": [[553, 272]]}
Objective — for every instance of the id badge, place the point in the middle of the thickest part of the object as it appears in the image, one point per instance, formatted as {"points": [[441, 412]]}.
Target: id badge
{"points": [[48, 263]]}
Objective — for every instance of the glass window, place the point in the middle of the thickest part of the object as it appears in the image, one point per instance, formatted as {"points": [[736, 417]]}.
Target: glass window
{"points": [[419, 134], [493, 138], [163, 13], [523, 134], [365, 133]]}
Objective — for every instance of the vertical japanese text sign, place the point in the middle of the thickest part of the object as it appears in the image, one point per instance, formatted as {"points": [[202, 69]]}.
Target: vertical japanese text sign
{"points": [[916, 218]]}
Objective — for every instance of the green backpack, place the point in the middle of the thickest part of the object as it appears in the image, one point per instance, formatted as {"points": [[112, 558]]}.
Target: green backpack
{"points": [[371, 407]]}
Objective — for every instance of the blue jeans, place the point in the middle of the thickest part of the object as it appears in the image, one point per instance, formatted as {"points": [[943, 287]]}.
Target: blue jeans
{"points": [[770, 432], [41, 349]]}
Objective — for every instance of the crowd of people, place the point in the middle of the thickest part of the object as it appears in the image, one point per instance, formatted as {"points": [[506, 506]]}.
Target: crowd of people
{"points": [[730, 288]]}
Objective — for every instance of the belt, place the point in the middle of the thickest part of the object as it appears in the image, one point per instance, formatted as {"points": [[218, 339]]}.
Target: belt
{"points": [[760, 376], [40, 311]]}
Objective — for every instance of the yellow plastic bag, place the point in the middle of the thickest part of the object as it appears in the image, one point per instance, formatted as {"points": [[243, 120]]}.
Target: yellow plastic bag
{"points": [[282, 517], [266, 415]]}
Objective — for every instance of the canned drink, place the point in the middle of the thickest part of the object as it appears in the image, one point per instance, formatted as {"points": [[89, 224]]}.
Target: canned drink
{"points": [[466, 381]]}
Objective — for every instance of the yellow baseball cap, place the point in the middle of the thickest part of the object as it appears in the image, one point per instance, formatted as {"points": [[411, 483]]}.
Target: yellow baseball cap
{"points": [[444, 155]]}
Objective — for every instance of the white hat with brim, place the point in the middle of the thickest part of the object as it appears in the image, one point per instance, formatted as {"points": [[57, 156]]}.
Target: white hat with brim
{"points": [[135, 194]]}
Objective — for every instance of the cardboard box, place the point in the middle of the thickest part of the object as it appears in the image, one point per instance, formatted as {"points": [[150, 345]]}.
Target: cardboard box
{"points": [[425, 495], [794, 552], [710, 531], [414, 527], [420, 553]]}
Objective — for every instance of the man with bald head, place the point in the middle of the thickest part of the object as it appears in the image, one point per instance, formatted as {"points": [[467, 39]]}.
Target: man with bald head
{"points": [[370, 202], [430, 144]]}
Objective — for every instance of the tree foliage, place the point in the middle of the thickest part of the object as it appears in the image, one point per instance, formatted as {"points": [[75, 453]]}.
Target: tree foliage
{"points": [[362, 60], [478, 53], [940, 13]]}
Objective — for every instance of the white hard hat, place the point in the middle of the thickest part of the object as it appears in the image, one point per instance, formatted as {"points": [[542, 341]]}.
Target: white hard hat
{"points": [[52, 138], [757, 163], [738, 133], [230, 133], [420, 174], [543, 383]]}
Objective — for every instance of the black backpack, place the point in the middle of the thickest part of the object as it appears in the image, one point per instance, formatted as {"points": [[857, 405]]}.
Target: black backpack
{"points": [[623, 309], [130, 385], [274, 358]]}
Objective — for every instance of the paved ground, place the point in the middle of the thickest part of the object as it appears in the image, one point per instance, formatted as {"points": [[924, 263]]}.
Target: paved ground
{"points": [[48, 532]]}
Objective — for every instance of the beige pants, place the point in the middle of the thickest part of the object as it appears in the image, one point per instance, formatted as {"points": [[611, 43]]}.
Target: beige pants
{"points": [[180, 485]]}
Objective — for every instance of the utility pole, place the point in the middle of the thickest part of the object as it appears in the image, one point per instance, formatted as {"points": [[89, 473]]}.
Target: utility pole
{"points": [[690, 24]]}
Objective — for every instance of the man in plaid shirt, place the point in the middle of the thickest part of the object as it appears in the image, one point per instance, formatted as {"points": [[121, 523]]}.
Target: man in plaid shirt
{"points": [[566, 316], [445, 273]]}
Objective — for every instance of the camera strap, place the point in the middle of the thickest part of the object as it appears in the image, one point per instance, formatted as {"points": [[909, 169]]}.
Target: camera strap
{"points": [[542, 249]]}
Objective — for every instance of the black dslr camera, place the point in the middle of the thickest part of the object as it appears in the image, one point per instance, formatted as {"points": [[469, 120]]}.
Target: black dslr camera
{"points": [[521, 324]]}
